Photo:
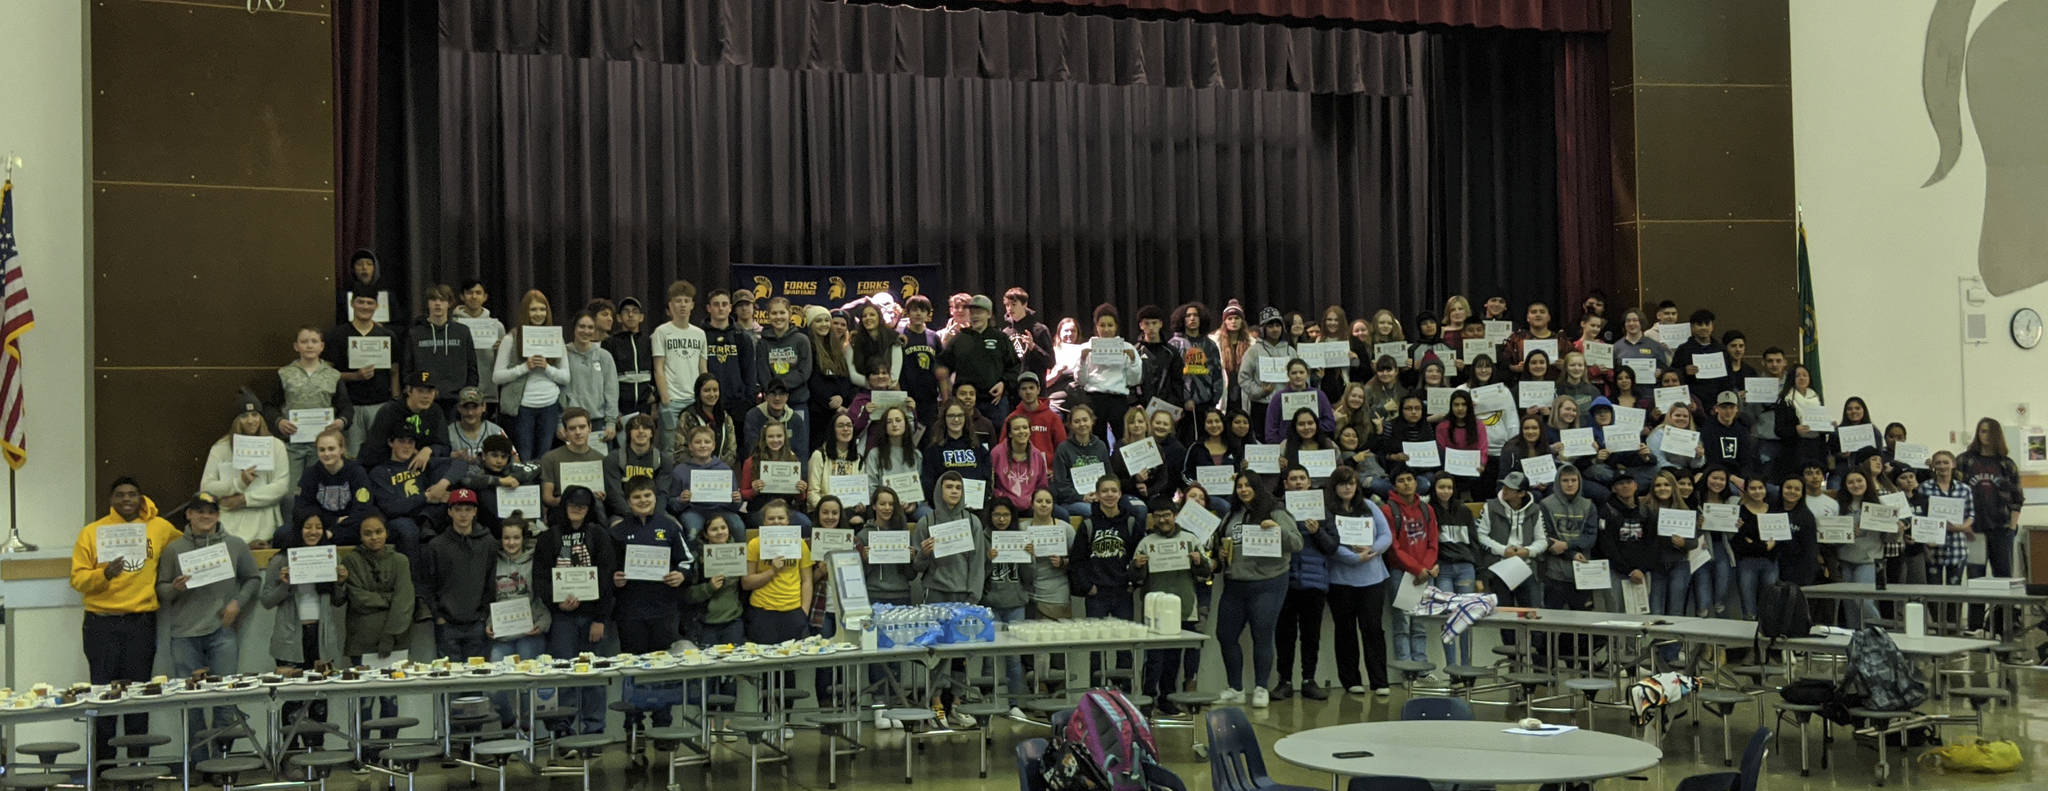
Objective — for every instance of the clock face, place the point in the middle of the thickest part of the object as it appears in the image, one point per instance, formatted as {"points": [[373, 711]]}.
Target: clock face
{"points": [[2026, 328]]}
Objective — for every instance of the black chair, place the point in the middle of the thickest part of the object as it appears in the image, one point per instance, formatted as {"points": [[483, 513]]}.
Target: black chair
{"points": [[1236, 761], [1389, 784], [1029, 754], [1436, 709], [1744, 780]]}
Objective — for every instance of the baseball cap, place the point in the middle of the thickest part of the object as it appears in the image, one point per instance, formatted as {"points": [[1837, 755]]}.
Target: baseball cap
{"points": [[1028, 376], [1515, 481], [1270, 315], [980, 302], [1727, 397], [635, 302], [202, 502], [462, 497], [469, 395], [421, 378]]}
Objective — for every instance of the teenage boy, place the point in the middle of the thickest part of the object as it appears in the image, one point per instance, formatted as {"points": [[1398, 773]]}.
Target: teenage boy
{"points": [[1765, 431], [204, 621], [728, 355], [1047, 432], [921, 349], [1728, 440], [433, 343], [308, 382], [775, 408], [418, 414], [1685, 358], [456, 580], [466, 436], [980, 355], [412, 500], [494, 472], [1030, 339], [1164, 538], [1269, 344], [575, 447], [119, 595], [471, 313], [679, 347], [379, 604], [577, 625], [746, 312], [1159, 364], [1538, 329], [370, 389], [633, 354], [366, 273], [782, 358], [1099, 560], [1515, 526], [648, 611]]}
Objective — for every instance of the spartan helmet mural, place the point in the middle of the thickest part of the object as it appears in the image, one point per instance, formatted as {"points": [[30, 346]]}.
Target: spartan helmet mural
{"points": [[2007, 65]]}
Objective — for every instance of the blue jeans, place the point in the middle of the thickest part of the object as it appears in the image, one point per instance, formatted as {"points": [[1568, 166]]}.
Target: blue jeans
{"points": [[1411, 634], [1013, 667], [568, 636], [1857, 613], [1753, 575], [1253, 603], [1668, 588], [1710, 583], [220, 651], [527, 647], [533, 431], [1463, 578], [1112, 604]]}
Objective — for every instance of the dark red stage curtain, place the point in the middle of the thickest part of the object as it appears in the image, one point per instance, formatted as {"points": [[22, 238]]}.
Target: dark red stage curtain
{"points": [[1555, 16], [1585, 194]]}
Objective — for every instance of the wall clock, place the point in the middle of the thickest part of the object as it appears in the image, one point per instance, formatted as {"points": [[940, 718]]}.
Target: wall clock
{"points": [[2026, 328]]}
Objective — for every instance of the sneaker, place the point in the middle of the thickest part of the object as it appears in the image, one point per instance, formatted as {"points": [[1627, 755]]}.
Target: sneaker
{"points": [[1382, 691], [1165, 708], [938, 713], [788, 734], [883, 723], [567, 755], [1017, 714], [1230, 696], [959, 721], [1437, 676], [1283, 692], [1261, 698], [1355, 689], [1313, 691]]}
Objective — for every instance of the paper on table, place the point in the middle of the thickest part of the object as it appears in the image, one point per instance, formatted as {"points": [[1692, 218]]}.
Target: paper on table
{"points": [[1599, 355], [952, 538], [1880, 518], [1214, 478], [1548, 346], [779, 477], [1260, 543], [1948, 509], [851, 490], [1272, 370], [1667, 397], [1711, 366], [909, 486], [206, 565], [1492, 398], [729, 560], [1835, 529], [1541, 470], [1774, 527], [1511, 571], [1325, 354], [1911, 454], [368, 352], [252, 452], [1635, 597], [1929, 530], [1085, 476], [1355, 531], [1591, 575], [646, 562], [310, 422], [1677, 522], [1547, 730], [1421, 454], [974, 493], [1721, 517], [511, 618], [1536, 394], [1306, 505], [1760, 390], [539, 341], [781, 541], [1319, 463], [827, 540], [1407, 594], [1462, 463], [883, 399], [1577, 442], [1010, 546], [1261, 458], [1680, 442], [1856, 437], [524, 500], [1437, 400], [483, 334], [1107, 352], [587, 474], [1049, 541], [1195, 519], [313, 564], [1395, 349], [1140, 455], [1816, 418]]}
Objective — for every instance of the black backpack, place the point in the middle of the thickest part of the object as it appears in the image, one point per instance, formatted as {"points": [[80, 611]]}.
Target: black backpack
{"points": [[1781, 613]]}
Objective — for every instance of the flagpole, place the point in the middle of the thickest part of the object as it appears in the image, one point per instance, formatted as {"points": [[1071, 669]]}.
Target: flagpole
{"points": [[14, 543]]}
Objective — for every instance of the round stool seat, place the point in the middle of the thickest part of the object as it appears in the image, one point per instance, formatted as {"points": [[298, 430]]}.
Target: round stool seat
{"points": [[1874, 714], [754, 727], [1798, 708], [1724, 697], [47, 752], [1589, 684], [473, 721], [138, 740], [904, 714], [322, 759], [1410, 666], [623, 707], [989, 709], [720, 700], [584, 742], [498, 748], [1468, 672], [394, 723], [1509, 650], [1527, 679], [230, 765], [1120, 673], [33, 780], [1037, 706], [1977, 694], [145, 773], [788, 694], [552, 713], [1759, 671], [409, 753], [1137, 699], [1185, 699], [671, 733], [840, 717], [310, 727]]}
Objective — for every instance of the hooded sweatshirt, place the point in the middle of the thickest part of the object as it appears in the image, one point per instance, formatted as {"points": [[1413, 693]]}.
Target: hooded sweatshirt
{"points": [[512, 580], [729, 355], [133, 590], [785, 358], [342, 496], [623, 463], [1239, 523], [888, 581], [195, 612], [645, 599], [1628, 540], [593, 385], [583, 545], [1047, 432], [378, 281], [1161, 374], [1457, 540], [1255, 391], [379, 600], [1575, 520], [446, 349], [1507, 526], [1099, 557], [982, 358], [958, 454], [1413, 547], [1179, 583], [958, 577], [486, 356], [1348, 568], [633, 357], [1015, 481], [286, 641], [920, 358], [721, 603], [1077, 451], [1201, 369], [455, 582], [1009, 585], [430, 423]]}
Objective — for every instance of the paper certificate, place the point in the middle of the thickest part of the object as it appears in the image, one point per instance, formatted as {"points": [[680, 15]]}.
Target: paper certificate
{"points": [[1107, 352], [1835, 529], [1911, 454], [1897, 500], [952, 538], [827, 540], [1355, 531], [1326, 354], [1163, 562], [1671, 335], [883, 399], [730, 560], [1680, 442], [1215, 479], [852, 490], [1158, 405], [1497, 331], [1306, 505], [1675, 522], [1471, 349], [1492, 398], [252, 452], [974, 493], [1760, 390], [1929, 530], [1262, 458], [541, 342], [1591, 575], [1667, 397], [1880, 518], [511, 618], [909, 486], [1140, 455], [1421, 454], [1010, 546], [1319, 463], [1857, 437], [1462, 463], [312, 564], [310, 423], [1541, 470], [1711, 366], [1721, 517], [1260, 542], [1698, 556], [1407, 591], [206, 566], [781, 541], [1437, 401], [483, 334], [1050, 541], [1816, 418], [1599, 355], [646, 563], [587, 474], [1644, 368], [1397, 350], [1197, 520], [1774, 527], [1577, 442], [1949, 510], [889, 546], [778, 477], [522, 501], [709, 486], [1635, 597], [1272, 370], [1511, 571], [1628, 420], [368, 352], [1548, 346], [1535, 394], [1292, 404]]}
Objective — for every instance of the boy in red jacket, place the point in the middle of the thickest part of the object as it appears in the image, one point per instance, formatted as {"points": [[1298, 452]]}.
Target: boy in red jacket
{"points": [[1413, 555], [1047, 432]]}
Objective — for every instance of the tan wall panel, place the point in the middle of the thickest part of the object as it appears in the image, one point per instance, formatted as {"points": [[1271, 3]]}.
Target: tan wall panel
{"points": [[158, 425], [1713, 153], [1747, 273], [1622, 165], [247, 265], [1717, 42], [187, 93]]}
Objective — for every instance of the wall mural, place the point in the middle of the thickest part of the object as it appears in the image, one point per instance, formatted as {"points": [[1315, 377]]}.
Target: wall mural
{"points": [[2007, 65]]}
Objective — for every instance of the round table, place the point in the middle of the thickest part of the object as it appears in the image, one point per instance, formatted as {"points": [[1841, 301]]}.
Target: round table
{"points": [[1465, 752]]}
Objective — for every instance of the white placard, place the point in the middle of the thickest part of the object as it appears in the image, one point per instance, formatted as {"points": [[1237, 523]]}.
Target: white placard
{"points": [[1671, 335], [535, 341], [587, 474], [1492, 398], [310, 423], [1857, 437], [1511, 571], [252, 451], [1760, 390], [1713, 365], [883, 399], [1626, 432], [1548, 346], [1272, 370], [974, 493], [511, 618], [523, 499], [827, 540], [368, 352], [1698, 556], [1912, 454], [1395, 349], [1292, 404], [1897, 500], [1169, 561], [852, 490], [1422, 454], [1816, 418], [1677, 522], [1774, 527], [1262, 458], [1325, 354], [1471, 349], [729, 560], [1085, 477], [1107, 352], [312, 564], [1536, 394], [952, 538], [1497, 331], [647, 563], [1215, 478], [1540, 469], [1305, 505], [1260, 542], [1929, 530], [779, 477], [1050, 541], [1645, 369], [1437, 400], [909, 486], [781, 541], [1880, 518], [1835, 529], [1947, 509], [1319, 463], [206, 565], [1577, 442], [1196, 519], [1355, 531], [1666, 397], [1140, 455], [709, 486], [1635, 597], [1721, 517], [1408, 592], [483, 334], [1157, 405], [1591, 575], [1680, 442], [1599, 355], [1010, 546], [1462, 463]]}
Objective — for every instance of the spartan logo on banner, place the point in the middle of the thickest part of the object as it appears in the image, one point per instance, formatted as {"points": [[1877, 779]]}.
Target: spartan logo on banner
{"points": [[836, 286]]}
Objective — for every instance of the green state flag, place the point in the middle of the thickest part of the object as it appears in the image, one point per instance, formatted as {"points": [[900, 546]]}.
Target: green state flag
{"points": [[1809, 332]]}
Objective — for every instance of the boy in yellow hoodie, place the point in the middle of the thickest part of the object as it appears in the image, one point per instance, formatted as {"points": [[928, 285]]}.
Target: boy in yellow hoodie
{"points": [[120, 598]]}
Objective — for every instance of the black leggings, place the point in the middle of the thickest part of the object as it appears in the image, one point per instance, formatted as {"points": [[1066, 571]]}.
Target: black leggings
{"points": [[1357, 611], [1301, 616]]}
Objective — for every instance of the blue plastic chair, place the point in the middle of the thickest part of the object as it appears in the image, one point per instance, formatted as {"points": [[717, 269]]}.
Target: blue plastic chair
{"points": [[1029, 754], [1236, 761], [1744, 780], [1436, 709]]}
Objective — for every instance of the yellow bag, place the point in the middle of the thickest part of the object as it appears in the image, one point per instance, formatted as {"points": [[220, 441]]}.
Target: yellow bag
{"points": [[1980, 756]]}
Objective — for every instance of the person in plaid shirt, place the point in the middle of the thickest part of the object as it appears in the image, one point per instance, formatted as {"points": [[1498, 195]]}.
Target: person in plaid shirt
{"points": [[1946, 565]]}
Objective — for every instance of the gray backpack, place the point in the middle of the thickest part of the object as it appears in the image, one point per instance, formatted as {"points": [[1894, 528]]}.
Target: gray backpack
{"points": [[1879, 675]]}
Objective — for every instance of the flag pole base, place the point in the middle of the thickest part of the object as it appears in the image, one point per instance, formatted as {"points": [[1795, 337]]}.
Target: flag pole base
{"points": [[15, 544]]}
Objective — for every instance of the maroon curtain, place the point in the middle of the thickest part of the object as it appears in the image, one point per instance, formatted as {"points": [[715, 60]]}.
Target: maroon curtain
{"points": [[1585, 195], [1555, 16], [355, 128]]}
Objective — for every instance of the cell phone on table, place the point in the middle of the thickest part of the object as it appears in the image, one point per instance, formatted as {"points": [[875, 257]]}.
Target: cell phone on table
{"points": [[1352, 754]]}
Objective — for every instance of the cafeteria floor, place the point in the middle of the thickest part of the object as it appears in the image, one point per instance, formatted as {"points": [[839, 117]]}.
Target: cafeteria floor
{"points": [[950, 763]]}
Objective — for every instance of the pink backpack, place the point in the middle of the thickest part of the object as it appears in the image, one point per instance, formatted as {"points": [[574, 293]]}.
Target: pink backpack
{"points": [[1104, 745]]}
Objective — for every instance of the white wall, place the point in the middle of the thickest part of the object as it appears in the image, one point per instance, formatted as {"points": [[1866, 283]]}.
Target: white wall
{"points": [[1886, 252], [43, 120]]}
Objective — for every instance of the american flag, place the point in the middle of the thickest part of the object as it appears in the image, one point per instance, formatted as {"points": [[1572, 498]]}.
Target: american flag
{"points": [[19, 319]]}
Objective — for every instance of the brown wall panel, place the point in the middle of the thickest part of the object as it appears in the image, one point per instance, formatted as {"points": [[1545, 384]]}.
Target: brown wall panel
{"points": [[1628, 275], [195, 94], [1713, 153], [1716, 42], [183, 411], [254, 263], [1745, 272]]}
